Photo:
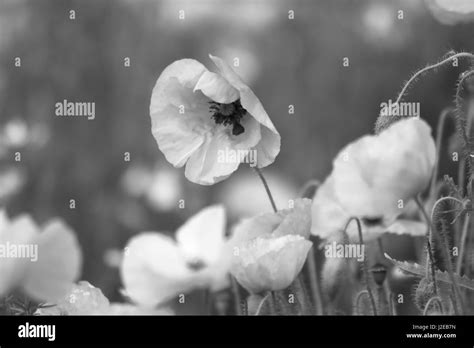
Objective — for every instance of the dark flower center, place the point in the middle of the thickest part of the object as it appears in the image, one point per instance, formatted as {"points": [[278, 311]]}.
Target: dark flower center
{"points": [[196, 265], [372, 221], [228, 115]]}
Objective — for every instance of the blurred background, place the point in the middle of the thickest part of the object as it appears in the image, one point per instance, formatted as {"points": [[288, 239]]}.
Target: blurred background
{"points": [[289, 52]]}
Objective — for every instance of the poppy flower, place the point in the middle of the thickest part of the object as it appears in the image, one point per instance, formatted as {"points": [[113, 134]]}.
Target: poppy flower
{"points": [[374, 178], [197, 115], [156, 267], [42, 262], [329, 218], [269, 250], [452, 11], [86, 299]]}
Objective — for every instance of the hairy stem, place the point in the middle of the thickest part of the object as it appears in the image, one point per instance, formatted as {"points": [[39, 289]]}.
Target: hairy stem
{"points": [[438, 301], [430, 264], [439, 138], [462, 243], [364, 264], [431, 67]]}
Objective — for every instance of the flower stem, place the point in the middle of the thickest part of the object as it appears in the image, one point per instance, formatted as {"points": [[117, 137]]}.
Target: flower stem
{"points": [[237, 297], [463, 243], [431, 67], [439, 137], [435, 299], [364, 264], [313, 282], [267, 189], [429, 243], [445, 249]]}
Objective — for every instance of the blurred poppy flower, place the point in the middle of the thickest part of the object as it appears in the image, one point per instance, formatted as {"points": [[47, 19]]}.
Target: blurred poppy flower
{"points": [[452, 11], [197, 113], [269, 250], [157, 268], [55, 260], [86, 299], [329, 217], [374, 178]]}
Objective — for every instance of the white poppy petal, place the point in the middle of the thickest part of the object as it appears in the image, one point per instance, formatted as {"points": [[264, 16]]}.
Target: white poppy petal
{"points": [[268, 148], [452, 11], [297, 220], [154, 269], [58, 265], [270, 141], [203, 167], [179, 116], [372, 174], [261, 225], [202, 236], [247, 98], [270, 263], [328, 217], [216, 88], [408, 227], [19, 232]]}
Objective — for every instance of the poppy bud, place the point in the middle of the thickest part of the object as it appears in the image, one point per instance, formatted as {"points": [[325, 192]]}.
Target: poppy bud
{"points": [[379, 273]]}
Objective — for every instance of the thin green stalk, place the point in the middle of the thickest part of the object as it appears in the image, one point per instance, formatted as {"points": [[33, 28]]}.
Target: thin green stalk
{"points": [[237, 298], [260, 306], [430, 264], [439, 137], [431, 67], [364, 264], [358, 299], [433, 299], [267, 189], [463, 243], [313, 282], [446, 251]]}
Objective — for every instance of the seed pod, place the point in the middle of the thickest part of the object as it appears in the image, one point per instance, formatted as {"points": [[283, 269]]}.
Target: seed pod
{"points": [[379, 273]]}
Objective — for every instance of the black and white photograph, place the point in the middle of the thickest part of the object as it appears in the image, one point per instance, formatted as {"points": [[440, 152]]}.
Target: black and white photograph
{"points": [[307, 163]]}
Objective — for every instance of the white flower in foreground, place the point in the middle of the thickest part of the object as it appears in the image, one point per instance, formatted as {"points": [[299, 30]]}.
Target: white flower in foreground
{"points": [[44, 263], [374, 178], [196, 114], [86, 299], [157, 268], [269, 250]]}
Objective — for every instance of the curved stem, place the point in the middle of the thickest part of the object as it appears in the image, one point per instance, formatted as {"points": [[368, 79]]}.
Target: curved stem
{"points": [[431, 67], [267, 189], [260, 306], [429, 242], [444, 241], [433, 299], [364, 264], [358, 299]]}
